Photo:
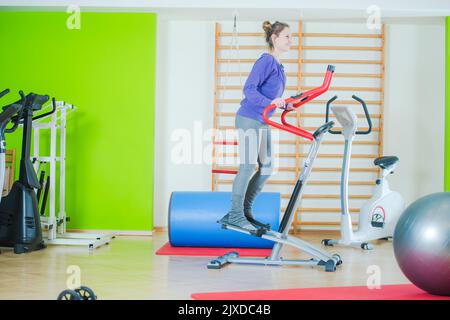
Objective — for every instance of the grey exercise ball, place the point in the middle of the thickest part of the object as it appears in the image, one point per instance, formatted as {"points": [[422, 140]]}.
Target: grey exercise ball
{"points": [[422, 243]]}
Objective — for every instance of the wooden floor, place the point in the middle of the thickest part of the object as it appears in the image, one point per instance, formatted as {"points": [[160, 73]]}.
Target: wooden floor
{"points": [[129, 269]]}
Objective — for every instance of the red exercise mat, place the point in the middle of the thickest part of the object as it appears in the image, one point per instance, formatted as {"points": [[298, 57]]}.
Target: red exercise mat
{"points": [[167, 249], [386, 292]]}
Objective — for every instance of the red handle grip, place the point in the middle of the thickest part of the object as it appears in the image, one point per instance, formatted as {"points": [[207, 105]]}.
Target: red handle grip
{"points": [[298, 101]]}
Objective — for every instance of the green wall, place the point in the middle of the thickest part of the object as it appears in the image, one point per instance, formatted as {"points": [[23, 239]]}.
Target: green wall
{"points": [[447, 106], [107, 69]]}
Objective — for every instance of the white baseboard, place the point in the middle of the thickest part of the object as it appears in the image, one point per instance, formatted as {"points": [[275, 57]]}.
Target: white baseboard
{"points": [[115, 232]]}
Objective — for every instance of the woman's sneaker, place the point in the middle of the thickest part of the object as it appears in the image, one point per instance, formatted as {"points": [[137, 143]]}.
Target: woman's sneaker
{"points": [[238, 220], [252, 220]]}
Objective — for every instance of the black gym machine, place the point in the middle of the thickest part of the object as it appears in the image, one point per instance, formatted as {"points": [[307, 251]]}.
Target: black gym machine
{"points": [[20, 226]]}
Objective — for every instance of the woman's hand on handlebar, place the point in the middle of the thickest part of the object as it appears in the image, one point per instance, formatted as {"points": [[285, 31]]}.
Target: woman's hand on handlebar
{"points": [[289, 106], [278, 102]]}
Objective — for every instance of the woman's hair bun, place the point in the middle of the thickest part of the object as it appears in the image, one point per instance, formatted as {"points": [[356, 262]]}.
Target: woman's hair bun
{"points": [[273, 29], [267, 26]]}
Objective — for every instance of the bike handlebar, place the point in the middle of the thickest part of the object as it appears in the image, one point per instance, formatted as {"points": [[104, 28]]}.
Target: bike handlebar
{"points": [[366, 112]]}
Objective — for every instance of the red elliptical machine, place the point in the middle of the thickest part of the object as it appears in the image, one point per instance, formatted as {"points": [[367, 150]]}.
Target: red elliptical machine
{"points": [[281, 236]]}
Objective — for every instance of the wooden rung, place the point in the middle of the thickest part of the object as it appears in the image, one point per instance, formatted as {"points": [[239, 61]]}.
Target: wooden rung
{"points": [[315, 169], [345, 48], [313, 182], [242, 74], [330, 155], [342, 75], [226, 143], [331, 142], [230, 100], [337, 183], [306, 34], [303, 155], [295, 47], [365, 89], [321, 223], [223, 171], [321, 61], [328, 196], [281, 169], [321, 115], [306, 142], [304, 128], [340, 35], [368, 102], [328, 210], [307, 75], [220, 60], [303, 115], [231, 87], [339, 128], [293, 142], [359, 143], [248, 34], [248, 47], [237, 74], [321, 169], [338, 61], [245, 60]]}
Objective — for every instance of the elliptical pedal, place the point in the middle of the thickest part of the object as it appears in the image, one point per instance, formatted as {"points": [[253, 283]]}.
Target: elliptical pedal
{"points": [[258, 224], [258, 233]]}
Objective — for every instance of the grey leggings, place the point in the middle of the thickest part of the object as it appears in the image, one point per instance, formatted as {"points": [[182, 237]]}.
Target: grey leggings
{"points": [[255, 147]]}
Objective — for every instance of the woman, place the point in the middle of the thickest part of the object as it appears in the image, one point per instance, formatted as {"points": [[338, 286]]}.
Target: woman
{"points": [[264, 86]]}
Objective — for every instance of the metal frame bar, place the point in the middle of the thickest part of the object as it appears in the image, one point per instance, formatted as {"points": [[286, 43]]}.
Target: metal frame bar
{"points": [[55, 226]]}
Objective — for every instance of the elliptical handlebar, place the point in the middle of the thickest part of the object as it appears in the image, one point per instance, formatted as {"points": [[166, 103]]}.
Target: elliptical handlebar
{"points": [[33, 101], [366, 113], [15, 119], [4, 92], [47, 113], [297, 101]]}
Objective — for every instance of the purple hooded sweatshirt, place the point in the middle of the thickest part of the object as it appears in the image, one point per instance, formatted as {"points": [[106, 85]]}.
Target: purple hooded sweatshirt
{"points": [[265, 82]]}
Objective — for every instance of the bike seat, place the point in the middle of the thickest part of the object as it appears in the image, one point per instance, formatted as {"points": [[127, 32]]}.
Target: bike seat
{"points": [[385, 162]]}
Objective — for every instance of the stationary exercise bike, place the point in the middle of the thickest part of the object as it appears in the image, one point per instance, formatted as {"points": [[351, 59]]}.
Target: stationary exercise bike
{"points": [[20, 225], [379, 215], [281, 236]]}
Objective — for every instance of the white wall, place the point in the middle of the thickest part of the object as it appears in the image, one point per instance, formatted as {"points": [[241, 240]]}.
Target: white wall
{"points": [[184, 97], [414, 105], [414, 112]]}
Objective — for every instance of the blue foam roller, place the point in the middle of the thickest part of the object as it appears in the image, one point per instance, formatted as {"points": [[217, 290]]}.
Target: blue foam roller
{"points": [[193, 220]]}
